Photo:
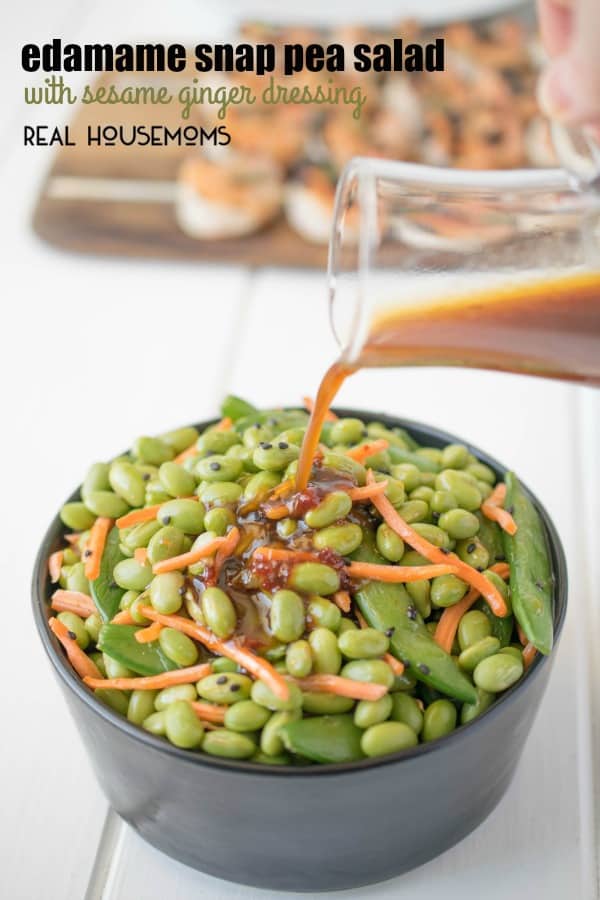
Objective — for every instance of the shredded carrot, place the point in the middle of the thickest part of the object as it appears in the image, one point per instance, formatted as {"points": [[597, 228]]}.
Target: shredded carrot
{"points": [[361, 452], [224, 425], [342, 600], [260, 668], [209, 712], [189, 558], [435, 555], [95, 547], [149, 634], [398, 574], [81, 662], [282, 489], [138, 515], [192, 450], [55, 561], [281, 554], [529, 654], [123, 618], [277, 512], [140, 555], [73, 601], [208, 726], [343, 687], [368, 491], [73, 538], [492, 509], [395, 665], [153, 682], [522, 636], [447, 626], [361, 619], [227, 548], [309, 403]]}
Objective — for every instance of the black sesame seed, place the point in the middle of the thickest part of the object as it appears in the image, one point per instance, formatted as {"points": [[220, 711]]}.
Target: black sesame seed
{"points": [[113, 585], [222, 679], [411, 612], [282, 445], [235, 687], [257, 425], [215, 466], [445, 551], [165, 519], [273, 422], [389, 632], [72, 635], [265, 445], [435, 516], [146, 476], [471, 548], [87, 553], [423, 668]]}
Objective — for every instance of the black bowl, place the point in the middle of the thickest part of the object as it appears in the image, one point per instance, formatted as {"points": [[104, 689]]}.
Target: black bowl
{"points": [[314, 828]]}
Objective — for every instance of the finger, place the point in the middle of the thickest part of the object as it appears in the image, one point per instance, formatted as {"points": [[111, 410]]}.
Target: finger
{"points": [[556, 24]]}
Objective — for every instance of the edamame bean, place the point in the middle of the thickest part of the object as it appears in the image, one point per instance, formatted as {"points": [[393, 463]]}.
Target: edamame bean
{"points": [[346, 465], [514, 651], [175, 480], [117, 700], [470, 711], [459, 523], [274, 457], [286, 528], [139, 535], [115, 669], [264, 696], [336, 505], [371, 712], [325, 651], [172, 694], [473, 552], [246, 716], [447, 590], [155, 493], [373, 671], [497, 673], [222, 664], [432, 533], [180, 438], [218, 442], [186, 515], [106, 503], [322, 612], [463, 486], [473, 627], [441, 502], [387, 737], [481, 472], [422, 493], [219, 519], [132, 575], [414, 511], [344, 539], [347, 431], [420, 594], [470, 658], [76, 580], [141, 706], [271, 742], [166, 592], [260, 484], [96, 479], [389, 544], [364, 643], [219, 612], [408, 474], [224, 687], [178, 647], [165, 543], [406, 709], [298, 659], [76, 626], [439, 719], [218, 468], [77, 516], [325, 704], [287, 616], [156, 724], [454, 456], [127, 482], [183, 728], [314, 578], [152, 450], [220, 493]]}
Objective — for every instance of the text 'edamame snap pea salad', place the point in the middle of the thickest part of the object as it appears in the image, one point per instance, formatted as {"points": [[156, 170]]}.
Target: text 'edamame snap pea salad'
{"points": [[211, 603]]}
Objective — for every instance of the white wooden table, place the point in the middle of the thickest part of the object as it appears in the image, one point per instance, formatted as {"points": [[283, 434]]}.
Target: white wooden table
{"points": [[78, 384]]}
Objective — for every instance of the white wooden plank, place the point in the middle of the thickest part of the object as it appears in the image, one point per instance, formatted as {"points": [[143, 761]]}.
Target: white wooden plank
{"points": [[539, 842]]}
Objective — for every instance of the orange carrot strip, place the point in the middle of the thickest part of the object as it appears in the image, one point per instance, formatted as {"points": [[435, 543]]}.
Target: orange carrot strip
{"points": [[138, 515], [281, 554], [361, 619], [342, 600], [81, 662], [277, 512], [149, 634], [153, 682], [522, 636], [140, 555], [364, 450], [123, 618], [73, 601], [209, 712], [398, 574], [492, 509], [309, 403], [95, 547], [260, 668], [395, 665], [73, 538], [187, 559], [368, 491], [343, 687], [224, 425], [192, 450], [529, 653], [55, 561], [435, 555], [450, 618], [282, 489], [227, 548]]}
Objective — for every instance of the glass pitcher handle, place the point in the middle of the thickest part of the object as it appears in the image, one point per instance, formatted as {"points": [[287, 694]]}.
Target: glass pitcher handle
{"points": [[579, 155]]}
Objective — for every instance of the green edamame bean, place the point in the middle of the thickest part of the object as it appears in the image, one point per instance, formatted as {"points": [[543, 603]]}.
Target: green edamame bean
{"points": [[182, 726], [441, 502], [117, 700], [470, 658], [513, 651], [335, 506], [387, 737], [347, 466], [481, 472], [128, 598], [166, 592], [132, 575], [325, 651], [473, 552], [264, 696], [287, 616], [180, 438], [432, 533], [459, 523], [364, 643], [246, 716], [323, 612], [497, 673], [298, 659], [422, 493], [105, 503], [260, 484], [271, 742], [219, 612], [139, 535], [135, 608], [165, 543], [446, 590], [371, 712], [454, 456], [76, 626], [156, 724], [470, 711], [70, 556], [406, 709], [314, 578], [274, 457], [220, 493], [175, 480], [409, 474], [344, 539], [238, 451], [152, 450], [76, 580], [224, 687], [473, 627], [389, 544], [433, 454], [257, 434], [93, 624], [77, 516], [286, 528], [141, 706], [172, 694], [439, 719], [222, 664], [219, 519], [373, 671], [115, 669], [178, 647], [127, 482], [218, 442], [395, 491], [325, 704], [96, 479], [346, 625], [155, 493], [186, 515], [463, 486], [405, 682], [414, 511], [218, 468], [347, 431]]}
